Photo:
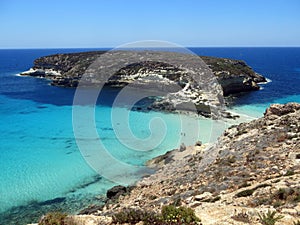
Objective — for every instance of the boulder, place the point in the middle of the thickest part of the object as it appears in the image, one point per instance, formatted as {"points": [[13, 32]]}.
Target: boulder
{"points": [[116, 191]]}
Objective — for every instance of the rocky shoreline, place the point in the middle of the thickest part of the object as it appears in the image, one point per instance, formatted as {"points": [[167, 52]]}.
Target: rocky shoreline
{"points": [[203, 82], [253, 169]]}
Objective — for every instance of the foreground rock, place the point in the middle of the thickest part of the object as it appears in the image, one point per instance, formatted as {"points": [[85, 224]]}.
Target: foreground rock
{"points": [[254, 167], [167, 77]]}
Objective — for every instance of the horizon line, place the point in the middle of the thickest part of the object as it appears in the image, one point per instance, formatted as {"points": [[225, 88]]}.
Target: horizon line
{"points": [[220, 46]]}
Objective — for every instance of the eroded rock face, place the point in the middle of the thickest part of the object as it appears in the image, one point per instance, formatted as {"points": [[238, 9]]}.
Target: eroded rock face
{"points": [[234, 76]]}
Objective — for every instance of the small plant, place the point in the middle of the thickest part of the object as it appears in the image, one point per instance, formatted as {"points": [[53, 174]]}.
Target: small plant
{"points": [[277, 204], [296, 222], [269, 218], [289, 173], [53, 218], [242, 217]]}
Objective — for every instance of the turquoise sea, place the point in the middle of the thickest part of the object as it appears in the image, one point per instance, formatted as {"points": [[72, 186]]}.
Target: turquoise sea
{"points": [[41, 167]]}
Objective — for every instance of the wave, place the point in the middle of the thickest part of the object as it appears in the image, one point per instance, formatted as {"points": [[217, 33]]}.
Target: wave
{"points": [[268, 81]]}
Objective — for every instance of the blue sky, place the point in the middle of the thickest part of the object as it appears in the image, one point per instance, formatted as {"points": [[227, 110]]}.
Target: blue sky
{"points": [[109, 23]]}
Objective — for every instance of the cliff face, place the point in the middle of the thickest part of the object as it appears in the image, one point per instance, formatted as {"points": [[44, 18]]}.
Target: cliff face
{"points": [[234, 76], [254, 167], [66, 70]]}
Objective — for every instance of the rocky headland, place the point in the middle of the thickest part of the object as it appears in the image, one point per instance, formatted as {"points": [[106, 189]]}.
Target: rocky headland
{"points": [[169, 76], [252, 171]]}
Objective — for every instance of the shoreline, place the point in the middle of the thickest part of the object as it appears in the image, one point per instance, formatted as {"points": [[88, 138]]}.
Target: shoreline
{"points": [[206, 194]]}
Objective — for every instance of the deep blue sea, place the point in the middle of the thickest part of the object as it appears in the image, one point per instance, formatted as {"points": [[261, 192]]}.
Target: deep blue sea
{"points": [[41, 167]]}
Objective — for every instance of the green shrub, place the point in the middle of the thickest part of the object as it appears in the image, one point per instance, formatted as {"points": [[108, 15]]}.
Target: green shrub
{"points": [[170, 215], [133, 216], [296, 222], [53, 218], [269, 218], [173, 215]]}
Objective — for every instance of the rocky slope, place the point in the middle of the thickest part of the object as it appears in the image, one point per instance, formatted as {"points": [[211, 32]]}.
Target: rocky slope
{"points": [[252, 168], [177, 78]]}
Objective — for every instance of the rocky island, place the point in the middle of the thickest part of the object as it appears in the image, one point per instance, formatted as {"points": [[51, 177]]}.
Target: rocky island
{"points": [[168, 75]]}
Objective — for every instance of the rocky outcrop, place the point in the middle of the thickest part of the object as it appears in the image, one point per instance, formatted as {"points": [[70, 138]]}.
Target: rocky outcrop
{"points": [[277, 110], [252, 169]]}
